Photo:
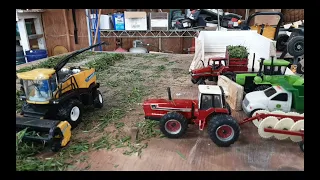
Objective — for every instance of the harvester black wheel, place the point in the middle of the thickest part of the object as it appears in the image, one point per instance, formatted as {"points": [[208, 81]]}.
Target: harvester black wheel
{"points": [[301, 144], [72, 112], [296, 46], [261, 88], [173, 125], [98, 99], [56, 146], [223, 130]]}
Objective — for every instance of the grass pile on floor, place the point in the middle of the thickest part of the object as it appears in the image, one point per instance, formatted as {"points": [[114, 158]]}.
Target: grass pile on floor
{"points": [[107, 58]]}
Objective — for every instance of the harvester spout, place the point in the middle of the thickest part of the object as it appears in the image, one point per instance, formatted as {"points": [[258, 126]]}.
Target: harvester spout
{"points": [[260, 68]]}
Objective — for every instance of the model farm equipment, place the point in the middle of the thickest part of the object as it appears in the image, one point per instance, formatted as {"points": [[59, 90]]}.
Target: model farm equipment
{"points": [[275, 112], [209, 110], [235, 61], [270, 73], [53, 100], [280, 125]]}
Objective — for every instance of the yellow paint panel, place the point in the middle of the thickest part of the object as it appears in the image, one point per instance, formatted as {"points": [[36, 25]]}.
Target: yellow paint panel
{"points": [[36, 74], [268, 31], [65, 128]]}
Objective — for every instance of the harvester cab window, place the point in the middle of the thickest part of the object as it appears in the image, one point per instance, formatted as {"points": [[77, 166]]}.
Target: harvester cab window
{"points": [[37, 90], [53, 83], [206, 101], [279, 70]]}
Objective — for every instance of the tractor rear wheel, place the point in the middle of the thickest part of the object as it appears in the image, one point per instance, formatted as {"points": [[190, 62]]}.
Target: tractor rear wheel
{"points": [[261, 88], [72, 112], [223, 130], [98, 99], [173, 125]]}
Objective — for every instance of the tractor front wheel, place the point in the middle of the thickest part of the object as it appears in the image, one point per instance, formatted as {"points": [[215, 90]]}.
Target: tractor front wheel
{"points": [[98, 99], [173, 125], [72, 112], [223, 130]]}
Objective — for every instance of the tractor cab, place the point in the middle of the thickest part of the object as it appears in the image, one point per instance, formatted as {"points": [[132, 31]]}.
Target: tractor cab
{"points": [[210, 97], [273, 67], [216, 63]]}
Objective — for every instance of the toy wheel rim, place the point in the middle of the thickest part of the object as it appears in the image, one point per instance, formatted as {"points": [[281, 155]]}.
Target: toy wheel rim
{"points": [[75, 113], [100, 98], [298, 46], [225, 133], [173, 126]]}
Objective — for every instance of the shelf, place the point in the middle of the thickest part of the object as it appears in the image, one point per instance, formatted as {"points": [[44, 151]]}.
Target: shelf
{"points": [[151, 34], [35, 36], [30, 10]]}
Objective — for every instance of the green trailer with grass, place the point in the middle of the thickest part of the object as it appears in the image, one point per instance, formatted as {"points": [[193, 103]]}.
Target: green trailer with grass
{"points": [[271, 72]]}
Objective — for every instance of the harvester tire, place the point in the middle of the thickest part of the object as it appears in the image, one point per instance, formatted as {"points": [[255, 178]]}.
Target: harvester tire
{"points": [[173, 125], [56, 146], [261, 88], [98, 99], [72, 112], [223, 130]]}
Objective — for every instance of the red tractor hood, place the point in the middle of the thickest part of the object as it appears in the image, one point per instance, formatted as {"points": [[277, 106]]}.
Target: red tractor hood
{"points": [[156, 108]]}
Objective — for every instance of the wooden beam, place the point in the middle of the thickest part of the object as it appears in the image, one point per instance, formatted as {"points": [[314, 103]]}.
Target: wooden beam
{"points": [[97, 28], [67, 29]]}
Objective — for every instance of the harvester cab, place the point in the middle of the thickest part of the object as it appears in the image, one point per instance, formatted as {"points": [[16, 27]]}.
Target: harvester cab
{"points": [[53, 100]]}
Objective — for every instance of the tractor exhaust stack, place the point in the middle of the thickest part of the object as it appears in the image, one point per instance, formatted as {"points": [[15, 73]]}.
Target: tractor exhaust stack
{"points": [[169, 93]]}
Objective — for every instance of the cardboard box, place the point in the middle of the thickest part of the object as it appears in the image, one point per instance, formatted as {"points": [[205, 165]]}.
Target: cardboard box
{"points": [[158, 21], [266, 19], [136, 21], [105, 21]]}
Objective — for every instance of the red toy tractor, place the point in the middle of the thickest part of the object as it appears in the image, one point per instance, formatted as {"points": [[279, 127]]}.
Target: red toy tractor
{"points": [[218, 66], [210, 109]]}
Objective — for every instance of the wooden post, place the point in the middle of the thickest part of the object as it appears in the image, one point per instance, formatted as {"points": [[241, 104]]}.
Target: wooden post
{"points": [[39, 30], [67, 28], [24, 39], [98, 24]]}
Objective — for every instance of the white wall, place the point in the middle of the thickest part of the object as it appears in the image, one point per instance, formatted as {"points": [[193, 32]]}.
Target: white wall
{"points": [[216, 41]]}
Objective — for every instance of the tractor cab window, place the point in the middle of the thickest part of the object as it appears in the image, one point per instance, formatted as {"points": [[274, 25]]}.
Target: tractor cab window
{"points": [[217, 101], [218, 64], [210, 101], [206, 101], [267, 70], [279, 70]]}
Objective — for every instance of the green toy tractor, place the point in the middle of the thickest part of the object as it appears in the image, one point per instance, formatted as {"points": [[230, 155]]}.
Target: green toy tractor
{"points": [[269, 74]]}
